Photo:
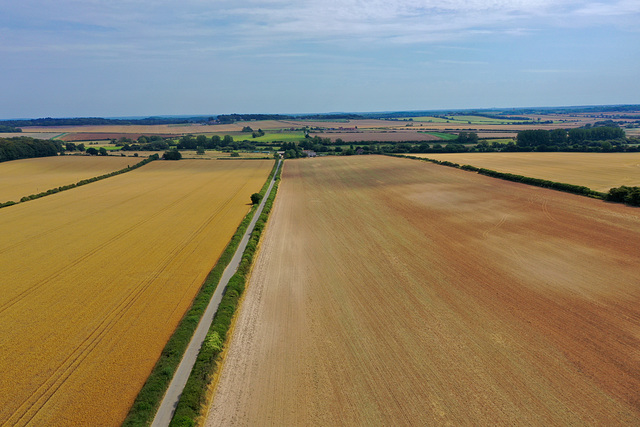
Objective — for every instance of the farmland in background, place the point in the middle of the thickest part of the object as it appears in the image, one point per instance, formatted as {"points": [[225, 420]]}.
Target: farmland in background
{"points": [[397, 292], [493, 124], [97, 278], [598, 171], [24, 177]]}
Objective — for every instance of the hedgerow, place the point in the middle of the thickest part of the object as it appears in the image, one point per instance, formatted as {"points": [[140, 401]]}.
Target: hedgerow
{"points": [[150, 396]]}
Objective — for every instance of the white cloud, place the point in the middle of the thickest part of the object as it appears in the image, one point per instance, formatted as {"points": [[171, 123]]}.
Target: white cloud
{"points": [[167, 25]]}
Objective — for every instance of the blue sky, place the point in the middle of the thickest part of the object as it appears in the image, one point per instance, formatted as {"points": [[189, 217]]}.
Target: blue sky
{"points": [[69, 58]]}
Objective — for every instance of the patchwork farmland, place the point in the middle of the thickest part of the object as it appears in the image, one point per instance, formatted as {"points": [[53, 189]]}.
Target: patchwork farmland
{"points": [[95, 280], [598, 171], [391, 291], [24, 177]]}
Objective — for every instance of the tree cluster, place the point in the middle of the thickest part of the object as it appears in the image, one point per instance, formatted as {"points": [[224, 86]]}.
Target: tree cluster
{"points": [[23, 147], [9, 129], [600, 138], [624, 194]]}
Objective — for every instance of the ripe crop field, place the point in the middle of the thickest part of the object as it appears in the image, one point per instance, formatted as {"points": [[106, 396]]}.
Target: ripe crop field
{"points": [[24, 177], [95, 280], [397, 292], [598, 171]]}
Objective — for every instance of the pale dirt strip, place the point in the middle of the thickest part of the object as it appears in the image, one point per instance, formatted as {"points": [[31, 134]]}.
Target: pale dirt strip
{"points": [[95, 280], [172, 395], [397, 292]]}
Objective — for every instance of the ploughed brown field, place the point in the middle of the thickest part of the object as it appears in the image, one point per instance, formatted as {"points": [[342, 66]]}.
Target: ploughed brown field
{"points": [[390, 135], [24, 177], [98, 136], [598, 171], [398, 292], [95, 280]]}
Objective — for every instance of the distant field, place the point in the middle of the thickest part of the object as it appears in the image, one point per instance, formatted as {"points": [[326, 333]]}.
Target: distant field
{"points": [[390, 135], [95, 280], [397, 292], [466, 119], [268, 136], [20, 178], [444, 136], [598, 171]]}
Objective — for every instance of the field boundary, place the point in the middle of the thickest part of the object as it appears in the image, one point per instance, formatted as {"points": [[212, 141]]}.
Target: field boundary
{"points": [[81, 182], [144, 407], [559, 186], [194, 396]]}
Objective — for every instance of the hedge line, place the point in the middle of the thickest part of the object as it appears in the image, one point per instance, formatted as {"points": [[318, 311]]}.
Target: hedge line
{"points": [[193, 396], [150, 396], [624, 194], [80, 183], [628, 195]]}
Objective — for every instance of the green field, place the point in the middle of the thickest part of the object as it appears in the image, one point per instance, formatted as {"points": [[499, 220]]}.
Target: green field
{"points": [[442, 135], [268, 136]]}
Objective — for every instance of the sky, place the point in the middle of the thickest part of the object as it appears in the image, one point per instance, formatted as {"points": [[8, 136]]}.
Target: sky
{"points": [[113, 58]]}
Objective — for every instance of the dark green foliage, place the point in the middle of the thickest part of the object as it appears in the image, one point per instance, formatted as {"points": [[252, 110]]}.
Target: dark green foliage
{"points": [[256, 198], [23, 147], [172, 155], [9, 129], [92, 151], [79, 121], [467, 138], [533, 138], [624, 194], [150, 396], [193, 395]]}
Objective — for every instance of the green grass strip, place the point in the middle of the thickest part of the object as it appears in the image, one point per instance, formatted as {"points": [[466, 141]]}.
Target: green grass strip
{"points": [[81, 183], [193, 396], [146, 404]]}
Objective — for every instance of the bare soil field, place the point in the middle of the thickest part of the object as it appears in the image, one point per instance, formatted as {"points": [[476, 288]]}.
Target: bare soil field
{"points": [[24, 177], [598, 171], [391, 135], [98, 136], [398, 292], [95, 280]]}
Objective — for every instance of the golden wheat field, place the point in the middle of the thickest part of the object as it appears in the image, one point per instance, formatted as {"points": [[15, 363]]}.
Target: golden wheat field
{"points": [[20, 178], [598, 171], [95, 280]]}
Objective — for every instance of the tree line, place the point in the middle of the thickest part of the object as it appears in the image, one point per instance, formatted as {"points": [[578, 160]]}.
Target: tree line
{"points": [[9, 129], [95, 121], [23, 147]]}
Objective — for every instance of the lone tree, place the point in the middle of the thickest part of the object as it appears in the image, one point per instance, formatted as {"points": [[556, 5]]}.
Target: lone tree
{"points": [[172, 155], [255, 198]]}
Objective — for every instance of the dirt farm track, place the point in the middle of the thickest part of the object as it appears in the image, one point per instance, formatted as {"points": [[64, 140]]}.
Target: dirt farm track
{"points": [[398, 292]]}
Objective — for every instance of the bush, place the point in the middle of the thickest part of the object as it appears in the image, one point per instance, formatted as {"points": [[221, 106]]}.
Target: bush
{"points": [[172, 155], [256, 198]]}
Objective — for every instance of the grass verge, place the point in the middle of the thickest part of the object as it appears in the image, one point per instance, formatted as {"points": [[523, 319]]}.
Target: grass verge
{"points": [[146, 404], [193, 396]]}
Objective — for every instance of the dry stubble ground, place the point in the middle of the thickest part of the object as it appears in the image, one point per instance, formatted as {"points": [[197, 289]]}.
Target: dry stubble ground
{"points": [[397, 292], [95, 280]]}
